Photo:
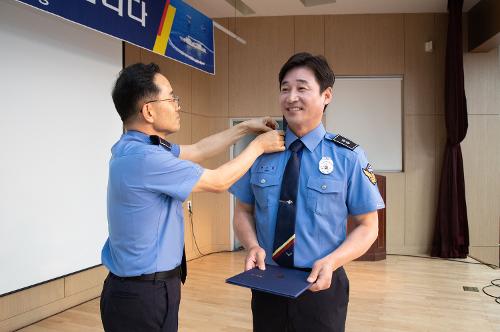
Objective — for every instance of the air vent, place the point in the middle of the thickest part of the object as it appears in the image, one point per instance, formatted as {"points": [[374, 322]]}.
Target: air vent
{"points": [[241, 7], [470, 289], [311, 3]]}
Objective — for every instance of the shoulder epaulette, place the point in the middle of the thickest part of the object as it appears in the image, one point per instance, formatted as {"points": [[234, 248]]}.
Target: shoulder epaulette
{"points": [[157, 140], [345, 142]]}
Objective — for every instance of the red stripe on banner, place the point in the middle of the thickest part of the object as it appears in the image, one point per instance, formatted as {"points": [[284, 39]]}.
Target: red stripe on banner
{"points": [[167, 3], [285, 248]]}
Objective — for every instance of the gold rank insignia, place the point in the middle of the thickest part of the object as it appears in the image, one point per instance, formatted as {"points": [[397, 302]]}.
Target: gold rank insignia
{"points": [[368, 171]]}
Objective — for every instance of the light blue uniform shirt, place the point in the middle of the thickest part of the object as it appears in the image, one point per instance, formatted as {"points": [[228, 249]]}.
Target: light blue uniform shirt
{"points": [[146, 187], [324, 201]]}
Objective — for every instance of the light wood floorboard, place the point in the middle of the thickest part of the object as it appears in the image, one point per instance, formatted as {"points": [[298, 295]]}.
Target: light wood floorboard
{"points": [[397, 294]]}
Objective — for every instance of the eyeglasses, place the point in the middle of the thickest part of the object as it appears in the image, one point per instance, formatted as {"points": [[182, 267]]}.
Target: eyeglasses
{"points": [[175, 99]]}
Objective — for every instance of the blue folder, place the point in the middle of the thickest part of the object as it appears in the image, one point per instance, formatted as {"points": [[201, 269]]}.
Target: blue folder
{"points": [[274, 279]]}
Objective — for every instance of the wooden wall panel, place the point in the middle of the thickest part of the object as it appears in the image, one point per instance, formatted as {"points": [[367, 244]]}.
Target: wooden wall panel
{"points": [[210, 93], [309, 34], [481, 153], [420, 198], [205, 126], [486, 254], [179, 76], [482, 180], [31, 298], [51, 308], [211, 221], [85, 280], [254, 67], [211, 211], [441, 30], [395, 211], [482, 82], [365, 44], [132, 54], [419, 78]]}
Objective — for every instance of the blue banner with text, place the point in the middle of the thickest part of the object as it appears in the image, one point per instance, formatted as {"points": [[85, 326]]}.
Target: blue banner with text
{"points": [[171, 28]]}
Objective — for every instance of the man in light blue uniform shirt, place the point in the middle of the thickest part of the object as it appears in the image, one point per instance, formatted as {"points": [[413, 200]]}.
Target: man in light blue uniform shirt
{"points": [[149, 178], [334, 181], [146, 187]]}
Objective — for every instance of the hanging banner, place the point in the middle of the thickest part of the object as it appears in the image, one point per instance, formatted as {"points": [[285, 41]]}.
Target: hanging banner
{"points": [[168, 27]]}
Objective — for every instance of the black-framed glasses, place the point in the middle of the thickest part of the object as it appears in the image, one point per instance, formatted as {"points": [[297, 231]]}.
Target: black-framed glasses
{"points": [[174, 99]]}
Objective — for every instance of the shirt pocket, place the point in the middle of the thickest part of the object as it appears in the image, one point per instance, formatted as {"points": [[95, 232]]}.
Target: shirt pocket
{"points": [[265, 187], [324, 196]]}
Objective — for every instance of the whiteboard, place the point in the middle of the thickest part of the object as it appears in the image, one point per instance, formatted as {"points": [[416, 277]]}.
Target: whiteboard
{"points": [[57, 126], [368, 110]]}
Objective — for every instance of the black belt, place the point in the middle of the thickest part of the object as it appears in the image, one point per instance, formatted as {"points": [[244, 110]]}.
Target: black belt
{"points": [[163, 275]]}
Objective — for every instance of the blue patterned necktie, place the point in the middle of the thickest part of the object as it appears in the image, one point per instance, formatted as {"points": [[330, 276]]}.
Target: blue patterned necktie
{"points": [[284, 237]]}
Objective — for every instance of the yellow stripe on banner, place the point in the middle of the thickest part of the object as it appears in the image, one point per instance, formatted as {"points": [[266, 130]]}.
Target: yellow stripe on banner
{"points": [[284, 244], [161, 42]]}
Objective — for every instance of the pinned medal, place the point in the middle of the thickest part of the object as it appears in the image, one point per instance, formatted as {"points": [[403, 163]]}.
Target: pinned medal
{"points": [[326, 165]]}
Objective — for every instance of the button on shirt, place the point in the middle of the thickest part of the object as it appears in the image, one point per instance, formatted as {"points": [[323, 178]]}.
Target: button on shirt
{"points": [[324, 201], [146, 187]]}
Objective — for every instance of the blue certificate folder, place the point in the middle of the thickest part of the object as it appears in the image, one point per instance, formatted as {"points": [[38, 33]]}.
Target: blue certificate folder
{"points": [[274, 279]]}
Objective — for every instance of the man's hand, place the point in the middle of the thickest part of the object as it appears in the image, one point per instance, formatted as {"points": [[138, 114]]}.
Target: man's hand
{"points": [[272, 141], [260, 125], [255, 258], [321, 275]]}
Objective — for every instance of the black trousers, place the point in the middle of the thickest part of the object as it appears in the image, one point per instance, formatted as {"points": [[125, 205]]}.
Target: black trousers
{"points": [[312, 311], [136, 305]]}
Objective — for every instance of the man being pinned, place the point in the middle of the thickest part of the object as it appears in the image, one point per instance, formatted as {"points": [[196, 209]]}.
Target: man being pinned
{"points": [[292, 207]]}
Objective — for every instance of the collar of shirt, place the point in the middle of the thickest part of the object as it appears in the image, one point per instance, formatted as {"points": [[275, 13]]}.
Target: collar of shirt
{"points": [[138, 135], [310, 140]]}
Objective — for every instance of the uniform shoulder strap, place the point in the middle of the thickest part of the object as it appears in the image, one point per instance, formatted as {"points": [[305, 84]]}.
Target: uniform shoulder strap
{"points": [[340, 140], [157, 140]]}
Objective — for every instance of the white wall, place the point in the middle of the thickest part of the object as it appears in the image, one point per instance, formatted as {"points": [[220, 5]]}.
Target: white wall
{"points": [[57, 126], [368, 111]]}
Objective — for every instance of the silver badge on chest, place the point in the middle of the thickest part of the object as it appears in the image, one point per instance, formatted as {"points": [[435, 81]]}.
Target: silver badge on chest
{"points": [[326, 165]]}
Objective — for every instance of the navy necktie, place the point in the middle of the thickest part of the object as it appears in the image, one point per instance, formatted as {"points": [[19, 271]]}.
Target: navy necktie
{"points": [[284, 237]]}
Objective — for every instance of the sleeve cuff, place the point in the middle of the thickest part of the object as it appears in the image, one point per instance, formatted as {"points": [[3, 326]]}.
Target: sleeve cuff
{"points": [[190, 182], [370, 207], [247, 199]]}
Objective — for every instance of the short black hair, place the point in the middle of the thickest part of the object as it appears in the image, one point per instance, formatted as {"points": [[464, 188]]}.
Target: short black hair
{"points": [[134, 83], [317, 63]]}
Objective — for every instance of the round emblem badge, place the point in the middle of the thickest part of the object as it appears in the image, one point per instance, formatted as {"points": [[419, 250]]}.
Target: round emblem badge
{"points": [[326, 165]]}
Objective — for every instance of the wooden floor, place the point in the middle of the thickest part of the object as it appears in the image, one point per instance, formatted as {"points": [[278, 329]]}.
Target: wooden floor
{"points": [[397, 294]]}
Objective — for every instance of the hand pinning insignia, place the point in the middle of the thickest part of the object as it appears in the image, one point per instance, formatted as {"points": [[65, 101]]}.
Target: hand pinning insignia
{"points": [[368, 171]]}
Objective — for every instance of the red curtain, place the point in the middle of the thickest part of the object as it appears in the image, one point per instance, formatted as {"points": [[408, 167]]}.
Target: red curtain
{"points": [[451, 232]]}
